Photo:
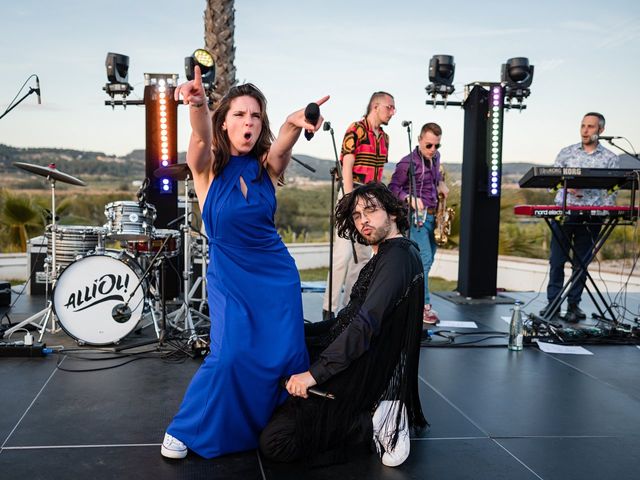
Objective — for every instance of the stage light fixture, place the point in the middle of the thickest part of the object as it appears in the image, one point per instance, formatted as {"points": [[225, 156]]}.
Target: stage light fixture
{"points": [[516, 77], [117, 66], [442, 69], [204, 60]]}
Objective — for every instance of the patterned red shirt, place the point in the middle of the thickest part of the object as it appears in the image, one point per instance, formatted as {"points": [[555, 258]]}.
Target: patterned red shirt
{"points": [[371, 151]]}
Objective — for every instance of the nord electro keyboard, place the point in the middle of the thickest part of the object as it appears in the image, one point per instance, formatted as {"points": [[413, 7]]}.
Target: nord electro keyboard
{"points": [[576, 177], [555, 211], [606, 218]]}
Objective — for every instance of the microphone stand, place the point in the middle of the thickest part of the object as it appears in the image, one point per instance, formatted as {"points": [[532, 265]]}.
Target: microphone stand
{"points": [[336, 179], [412, 183], [31, 90], [308, 167], [634, 155]]}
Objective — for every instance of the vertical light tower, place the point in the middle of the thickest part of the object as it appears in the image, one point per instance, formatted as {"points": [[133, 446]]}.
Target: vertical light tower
{"points": [[161, 143], [481, 188], [480, 192], [161, 112], [494, 139]]}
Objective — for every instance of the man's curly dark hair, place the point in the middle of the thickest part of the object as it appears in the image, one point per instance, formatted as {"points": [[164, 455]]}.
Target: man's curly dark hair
{"points": [[374, 194]]}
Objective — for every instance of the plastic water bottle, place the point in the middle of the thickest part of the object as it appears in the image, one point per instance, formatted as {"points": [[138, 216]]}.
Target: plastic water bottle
{"points": [[515, 329]]}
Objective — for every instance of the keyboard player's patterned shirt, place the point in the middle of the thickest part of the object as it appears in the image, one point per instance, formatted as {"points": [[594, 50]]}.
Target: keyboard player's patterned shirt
{"points": [[575, 156]]}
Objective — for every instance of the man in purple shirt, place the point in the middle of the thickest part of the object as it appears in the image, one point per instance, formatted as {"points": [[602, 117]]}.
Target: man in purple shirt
{"points": [[424, 188]]}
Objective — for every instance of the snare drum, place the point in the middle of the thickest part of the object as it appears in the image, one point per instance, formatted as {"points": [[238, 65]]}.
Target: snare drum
{"points": [[150, 247], [73, 241], [129, 220], [87, 292]]}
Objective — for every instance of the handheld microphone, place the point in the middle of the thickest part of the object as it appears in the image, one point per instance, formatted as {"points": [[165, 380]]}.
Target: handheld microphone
{"points": [[607, 137], [326, 126], [406, 123], [311, 115], [38, 90], [311, 390]]}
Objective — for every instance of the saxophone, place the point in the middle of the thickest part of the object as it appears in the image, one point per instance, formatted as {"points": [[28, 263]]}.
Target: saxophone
{"points": [[444, 217]]}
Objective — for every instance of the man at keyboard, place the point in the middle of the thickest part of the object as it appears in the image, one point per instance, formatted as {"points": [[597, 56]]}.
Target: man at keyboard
{"points": [[579, 233]]}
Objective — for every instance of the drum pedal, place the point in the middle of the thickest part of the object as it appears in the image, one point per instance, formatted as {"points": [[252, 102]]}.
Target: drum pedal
{"points": [[199, 347]]}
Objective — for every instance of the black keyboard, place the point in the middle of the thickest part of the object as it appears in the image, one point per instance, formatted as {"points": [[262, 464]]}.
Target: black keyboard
{"points": [[576, 177]]}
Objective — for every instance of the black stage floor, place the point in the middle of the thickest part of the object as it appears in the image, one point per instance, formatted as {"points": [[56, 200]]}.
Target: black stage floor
{"points": [[494, 414]]}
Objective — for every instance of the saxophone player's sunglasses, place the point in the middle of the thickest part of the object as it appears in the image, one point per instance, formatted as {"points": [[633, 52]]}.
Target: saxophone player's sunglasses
{"points": [[431, 145]]}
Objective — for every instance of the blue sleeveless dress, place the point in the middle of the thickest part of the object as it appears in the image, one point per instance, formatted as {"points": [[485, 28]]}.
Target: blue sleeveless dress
{"points": [[257, 325]]}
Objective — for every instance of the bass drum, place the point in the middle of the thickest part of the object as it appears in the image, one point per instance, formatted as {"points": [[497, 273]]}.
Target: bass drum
{"points": [[87, 292]]}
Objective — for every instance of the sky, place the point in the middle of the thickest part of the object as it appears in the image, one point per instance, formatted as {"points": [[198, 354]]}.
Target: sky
{"points": [[586, 57]]}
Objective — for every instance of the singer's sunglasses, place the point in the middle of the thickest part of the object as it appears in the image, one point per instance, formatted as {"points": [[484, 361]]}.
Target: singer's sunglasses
{"points": [[431, 145]]}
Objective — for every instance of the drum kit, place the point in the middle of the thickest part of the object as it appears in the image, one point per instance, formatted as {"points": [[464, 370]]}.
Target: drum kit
{"points": [[100, 295]]}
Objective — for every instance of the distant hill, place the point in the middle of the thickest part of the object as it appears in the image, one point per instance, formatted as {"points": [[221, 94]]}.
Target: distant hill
{"points": [[87, 164], [73, 162], [511, 172]]}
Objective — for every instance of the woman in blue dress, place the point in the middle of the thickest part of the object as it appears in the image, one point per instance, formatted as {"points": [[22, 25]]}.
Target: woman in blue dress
{"points": [[253, 286]]}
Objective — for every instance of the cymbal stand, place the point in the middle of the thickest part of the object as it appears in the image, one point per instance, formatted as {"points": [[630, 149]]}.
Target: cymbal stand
{"points": [[41, 319], [186, 313], [155, 301], [199, 251]]}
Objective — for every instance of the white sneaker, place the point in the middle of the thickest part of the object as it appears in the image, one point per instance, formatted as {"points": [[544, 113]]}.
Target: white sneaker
{"points": [[172, 447], [400, 453], [383, 430]]}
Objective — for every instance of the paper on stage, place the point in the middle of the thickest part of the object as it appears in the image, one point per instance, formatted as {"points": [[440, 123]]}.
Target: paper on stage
{"points": [[565, 349], [454, 324], [506, 319]]}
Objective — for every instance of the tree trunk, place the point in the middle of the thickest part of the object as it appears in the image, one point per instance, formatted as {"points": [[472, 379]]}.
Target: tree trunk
{"points": [[218, 39]]}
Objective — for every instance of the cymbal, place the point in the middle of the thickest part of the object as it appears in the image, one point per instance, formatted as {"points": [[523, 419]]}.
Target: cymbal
{"points": [[50, 171], [178, 171]]}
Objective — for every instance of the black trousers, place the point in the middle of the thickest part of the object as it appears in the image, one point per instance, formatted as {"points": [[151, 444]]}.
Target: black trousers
{"points": [[279, 441], [582, 236]]}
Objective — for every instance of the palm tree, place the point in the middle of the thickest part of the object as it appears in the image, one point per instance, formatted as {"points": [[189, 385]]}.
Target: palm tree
{"points": [[20, 218], [218, 39]]}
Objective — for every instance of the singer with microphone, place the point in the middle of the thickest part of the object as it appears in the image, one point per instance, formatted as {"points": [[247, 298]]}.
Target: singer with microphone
{"points": [[367, 357], [253, 285], [580, 233], [423, 201], [363, 155]]}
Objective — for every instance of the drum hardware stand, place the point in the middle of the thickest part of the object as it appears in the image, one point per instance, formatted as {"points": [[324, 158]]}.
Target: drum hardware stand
{"points": [[158, 298], [199, 250], [186, 312], [47, 312], [121, 312]]}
